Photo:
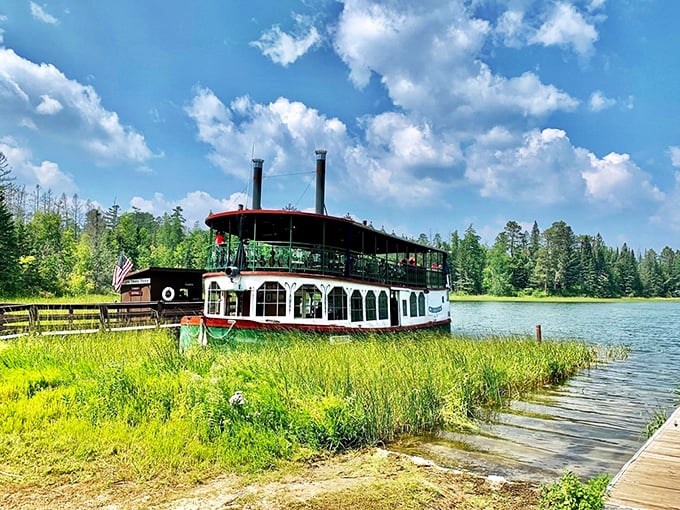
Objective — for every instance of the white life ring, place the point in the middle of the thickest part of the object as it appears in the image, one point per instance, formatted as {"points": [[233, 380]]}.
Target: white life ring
{"points": [[168, 294]]}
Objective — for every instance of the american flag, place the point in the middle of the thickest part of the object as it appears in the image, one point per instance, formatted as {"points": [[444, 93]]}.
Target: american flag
{"points": [[121, 270]]}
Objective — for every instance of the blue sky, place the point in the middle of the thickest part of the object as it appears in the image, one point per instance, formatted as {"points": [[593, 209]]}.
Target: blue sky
{"points": [[436, 115]]}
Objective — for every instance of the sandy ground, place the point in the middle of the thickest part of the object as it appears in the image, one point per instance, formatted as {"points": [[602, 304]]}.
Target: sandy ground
{"points": [[370, 479]]}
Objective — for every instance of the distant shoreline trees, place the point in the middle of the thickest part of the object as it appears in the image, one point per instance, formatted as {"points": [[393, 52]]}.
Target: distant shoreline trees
{"points": [[62, 246]]}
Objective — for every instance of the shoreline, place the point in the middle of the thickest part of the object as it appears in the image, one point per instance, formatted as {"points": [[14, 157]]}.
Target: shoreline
{"points": [[554, 299]]}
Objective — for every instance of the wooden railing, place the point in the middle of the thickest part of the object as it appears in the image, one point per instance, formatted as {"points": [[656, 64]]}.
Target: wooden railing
{"points": [[62, 318]]}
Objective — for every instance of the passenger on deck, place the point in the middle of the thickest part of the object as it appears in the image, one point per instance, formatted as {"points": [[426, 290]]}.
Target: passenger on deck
{"points": [[219, 239]]}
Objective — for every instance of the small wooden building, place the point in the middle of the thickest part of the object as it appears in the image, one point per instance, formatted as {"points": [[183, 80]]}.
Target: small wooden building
{"points": [[163, 284]]}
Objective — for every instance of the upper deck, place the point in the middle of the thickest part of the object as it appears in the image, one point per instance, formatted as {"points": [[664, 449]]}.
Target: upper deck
{"points": [[293, 241]]}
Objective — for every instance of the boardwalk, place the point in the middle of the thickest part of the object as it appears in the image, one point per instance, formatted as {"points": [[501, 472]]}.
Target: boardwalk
{"points": [[651, 479]]}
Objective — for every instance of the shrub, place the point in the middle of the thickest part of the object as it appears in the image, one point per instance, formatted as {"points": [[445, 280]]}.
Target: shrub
{"points": [[569, 493]]}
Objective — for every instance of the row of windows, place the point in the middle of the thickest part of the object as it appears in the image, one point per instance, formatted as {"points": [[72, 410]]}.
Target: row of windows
{"points": [[270, 301]]}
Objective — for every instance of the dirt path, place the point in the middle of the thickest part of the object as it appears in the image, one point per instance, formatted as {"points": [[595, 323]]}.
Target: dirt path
{"points": [[370, 479]]}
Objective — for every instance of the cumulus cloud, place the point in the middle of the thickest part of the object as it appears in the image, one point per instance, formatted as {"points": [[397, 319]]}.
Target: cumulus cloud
{"points": [[439, 73], [510, 28], [195, 205], [598, 101], [47, 173], [41, 15], [675, 155], [48, 105], [281, 132], [545, 168], [668, 214], [618, 181], [283, 48], [401, 160], [38, 92], [566, 27]]}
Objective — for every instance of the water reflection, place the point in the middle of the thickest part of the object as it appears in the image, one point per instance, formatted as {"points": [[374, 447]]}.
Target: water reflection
{"points": [[592, 424]]}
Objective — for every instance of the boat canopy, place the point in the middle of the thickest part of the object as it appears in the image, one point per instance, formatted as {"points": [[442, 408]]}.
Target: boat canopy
{"points": [[298, 242]]}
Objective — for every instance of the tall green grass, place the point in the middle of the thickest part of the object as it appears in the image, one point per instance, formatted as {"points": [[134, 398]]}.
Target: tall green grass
{"points": [[131, 405]]}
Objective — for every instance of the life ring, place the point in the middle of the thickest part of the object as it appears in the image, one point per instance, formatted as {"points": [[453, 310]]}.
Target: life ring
{"points": [[168, 294]]}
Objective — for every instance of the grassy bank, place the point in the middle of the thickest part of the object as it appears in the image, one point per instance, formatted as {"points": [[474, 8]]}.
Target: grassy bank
{"points": [[131, 407]]}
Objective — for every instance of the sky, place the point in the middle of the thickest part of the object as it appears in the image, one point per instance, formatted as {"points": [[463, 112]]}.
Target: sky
{"points": [[436, 115]]}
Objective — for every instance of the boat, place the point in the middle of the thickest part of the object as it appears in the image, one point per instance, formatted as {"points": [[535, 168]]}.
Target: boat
{"points": [[288, 270]]}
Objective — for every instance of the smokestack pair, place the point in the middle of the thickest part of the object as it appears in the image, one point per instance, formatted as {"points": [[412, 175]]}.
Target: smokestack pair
{"points": [[320, 182]]}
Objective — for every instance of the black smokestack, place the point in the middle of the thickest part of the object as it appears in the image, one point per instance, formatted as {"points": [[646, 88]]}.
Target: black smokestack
{"points": [[257, 183], [320, 180]]}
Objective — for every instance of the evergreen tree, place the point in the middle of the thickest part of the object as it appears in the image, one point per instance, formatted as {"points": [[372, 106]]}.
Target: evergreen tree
{"points": [[651, 277], [628, 278], [470, 263], [497, 272], [9, 246]]}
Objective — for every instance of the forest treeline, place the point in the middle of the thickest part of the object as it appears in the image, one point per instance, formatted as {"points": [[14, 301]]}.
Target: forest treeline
{"points": [[63, 246]]}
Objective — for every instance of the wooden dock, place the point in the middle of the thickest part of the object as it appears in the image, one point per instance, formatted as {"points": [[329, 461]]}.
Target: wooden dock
{"points": [[651, 479]]}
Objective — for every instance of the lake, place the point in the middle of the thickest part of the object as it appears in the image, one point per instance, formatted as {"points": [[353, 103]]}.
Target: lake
{"points": [[593, 423]]}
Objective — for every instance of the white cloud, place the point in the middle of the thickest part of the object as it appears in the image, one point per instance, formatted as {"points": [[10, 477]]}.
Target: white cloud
{"points": [[675, 155], [541, 167], [283, 48], [439, 72], [41, 15], [403, 161], [48, 106], [511, 29], [566, 26], [544, 168], [668, 214], [281, 132], [47, 174], [598, 101], [195, 205], [37, 91], [618, 182]]}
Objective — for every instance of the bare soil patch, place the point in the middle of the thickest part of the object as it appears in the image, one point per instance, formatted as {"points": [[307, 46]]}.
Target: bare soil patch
{"points": [[369, 479]]}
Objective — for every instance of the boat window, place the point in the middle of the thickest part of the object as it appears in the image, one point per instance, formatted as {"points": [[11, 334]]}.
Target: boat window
{"points": [[370, 306], [382, 306], [357, 303], [413, 302], [307, 302], [404, 308], [421, 304], [214, 295], [337, 304], [270, 300]]}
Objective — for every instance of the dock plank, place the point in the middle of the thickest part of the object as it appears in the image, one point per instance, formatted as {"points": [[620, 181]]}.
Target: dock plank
{"points": [[651, 479]]}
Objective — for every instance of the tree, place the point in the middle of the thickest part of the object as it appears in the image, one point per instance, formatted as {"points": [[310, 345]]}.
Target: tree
{"points": [[651, 276], [628, 278], [470, 263], [497, 273]]}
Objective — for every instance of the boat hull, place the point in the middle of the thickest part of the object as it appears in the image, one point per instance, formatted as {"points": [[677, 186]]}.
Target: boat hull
{"points": [[217, 331]]}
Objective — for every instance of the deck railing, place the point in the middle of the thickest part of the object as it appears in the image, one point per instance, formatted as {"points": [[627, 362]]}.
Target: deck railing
{"points": [[61, 318], [301, 258]]}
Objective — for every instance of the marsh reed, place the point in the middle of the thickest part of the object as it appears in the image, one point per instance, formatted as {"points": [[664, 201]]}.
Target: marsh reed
{"points": [[132, 405]]}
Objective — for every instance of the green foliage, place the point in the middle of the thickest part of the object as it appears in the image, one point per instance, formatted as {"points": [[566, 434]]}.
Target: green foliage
{"points": [[656, 421], [569, 493], [131, 399]]}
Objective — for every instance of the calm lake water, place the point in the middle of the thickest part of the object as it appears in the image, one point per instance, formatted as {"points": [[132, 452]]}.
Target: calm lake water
{"points": [[592, 424]]}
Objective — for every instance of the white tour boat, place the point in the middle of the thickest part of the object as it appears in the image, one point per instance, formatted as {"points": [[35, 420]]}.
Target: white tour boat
{"points": [[280, 270]]}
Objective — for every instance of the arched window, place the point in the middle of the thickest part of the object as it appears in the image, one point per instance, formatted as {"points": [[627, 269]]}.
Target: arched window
{"points": [[371, 308], [357, 303], [421, 304], [214, 299], [307, 302], [382, 306], [337, 304], [413, 305], [270, 300]]}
